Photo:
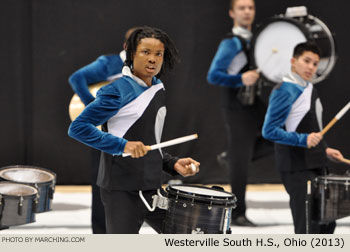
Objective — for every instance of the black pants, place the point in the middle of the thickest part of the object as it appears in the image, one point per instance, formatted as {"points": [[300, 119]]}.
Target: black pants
{"points": [[243, 127], [296, 186], [98, 221], [125, 211]]}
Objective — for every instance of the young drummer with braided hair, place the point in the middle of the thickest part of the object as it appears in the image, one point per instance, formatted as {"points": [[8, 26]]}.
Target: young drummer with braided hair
{"points": [[132, 112], [293, 121]]}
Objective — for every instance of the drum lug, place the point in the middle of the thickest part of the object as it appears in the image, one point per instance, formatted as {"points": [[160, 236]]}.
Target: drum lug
{"points": [[35, 203], [211, 205], [347, 185], [52, 189], [1, 206], [197, 231], [37, 188], [20, 206], [227, 221]]}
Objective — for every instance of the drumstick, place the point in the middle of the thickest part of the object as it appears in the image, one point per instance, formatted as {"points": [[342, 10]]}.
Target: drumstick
{"points": [[193, 167], [273, 52], [336, 118], [345, 160], [168, 143]]}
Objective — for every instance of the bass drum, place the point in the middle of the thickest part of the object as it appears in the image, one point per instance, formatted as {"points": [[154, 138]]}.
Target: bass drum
{"points": [[274, 42]]}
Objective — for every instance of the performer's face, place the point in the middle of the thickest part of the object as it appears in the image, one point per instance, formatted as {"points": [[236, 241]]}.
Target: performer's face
{"points": [[148, 59], [243, 13], [306, 65]]}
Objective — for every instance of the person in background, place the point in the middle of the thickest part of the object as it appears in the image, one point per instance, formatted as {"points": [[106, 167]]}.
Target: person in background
{"points": [[104, 68], [294, 121], [243, 120]]}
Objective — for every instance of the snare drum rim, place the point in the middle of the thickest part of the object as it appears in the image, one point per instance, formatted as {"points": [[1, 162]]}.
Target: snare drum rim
{"points": [[29, 196], [53, 181], [230, 200]]}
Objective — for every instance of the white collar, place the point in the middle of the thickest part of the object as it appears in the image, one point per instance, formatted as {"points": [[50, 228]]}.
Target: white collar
{"points": [[127, 72], [243, 32], [122, 55], [295, 78]]}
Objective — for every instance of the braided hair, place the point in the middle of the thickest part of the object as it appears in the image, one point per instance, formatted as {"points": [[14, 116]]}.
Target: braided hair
{"points": [[170, 51]]}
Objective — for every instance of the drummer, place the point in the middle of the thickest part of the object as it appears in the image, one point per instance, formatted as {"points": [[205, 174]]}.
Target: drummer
{"points": [[293, 121], [132, 112], [243, 121]]}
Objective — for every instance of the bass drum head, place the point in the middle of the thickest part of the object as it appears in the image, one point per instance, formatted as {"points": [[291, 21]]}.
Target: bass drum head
{"points": [[273, 46]]}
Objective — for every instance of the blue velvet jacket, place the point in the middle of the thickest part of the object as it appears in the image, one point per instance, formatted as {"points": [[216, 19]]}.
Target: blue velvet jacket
{"points": [[109, 100], [225, 58], [100, 70], [281, 101]]}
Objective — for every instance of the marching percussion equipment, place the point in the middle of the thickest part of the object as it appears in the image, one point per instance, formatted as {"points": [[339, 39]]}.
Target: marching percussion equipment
{"points": [[42, 179], [332, 197], [17, 204], [198, 210], [281, 34], [168, 143], [336, 118]]}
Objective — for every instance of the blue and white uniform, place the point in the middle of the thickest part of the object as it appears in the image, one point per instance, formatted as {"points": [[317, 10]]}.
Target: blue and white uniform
{"points": [[294, 111], [243, 123], [105, 67], [128, 110]]}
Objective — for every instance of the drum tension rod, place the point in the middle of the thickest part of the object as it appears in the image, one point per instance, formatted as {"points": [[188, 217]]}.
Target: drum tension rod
{"points": [[20, 206]]}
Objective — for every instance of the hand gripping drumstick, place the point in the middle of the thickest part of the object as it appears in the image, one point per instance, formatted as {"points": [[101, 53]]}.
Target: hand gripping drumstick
{"points": [[273, 52], [168, 143], [336, 118]]}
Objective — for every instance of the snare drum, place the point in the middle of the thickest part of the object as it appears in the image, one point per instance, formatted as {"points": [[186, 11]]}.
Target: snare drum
{"points": [[17, 204], [42, 179], [274, 42], [332, 197], [197, 209]]}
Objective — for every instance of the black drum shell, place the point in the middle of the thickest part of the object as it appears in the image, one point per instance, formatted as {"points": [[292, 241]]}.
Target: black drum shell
{"points": [[45, 189], [184, 217], [9, 210], [189, 213], [332, 198]]}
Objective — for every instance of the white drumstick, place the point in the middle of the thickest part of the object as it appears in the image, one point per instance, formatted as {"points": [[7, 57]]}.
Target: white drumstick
{"points": [[273, 52], [169, 143], [336, 118]]}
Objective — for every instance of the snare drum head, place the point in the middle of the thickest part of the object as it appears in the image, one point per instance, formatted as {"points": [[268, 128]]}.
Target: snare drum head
{"points": [[13, 189], [274, 42], [26, 175], [200, 191]]}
